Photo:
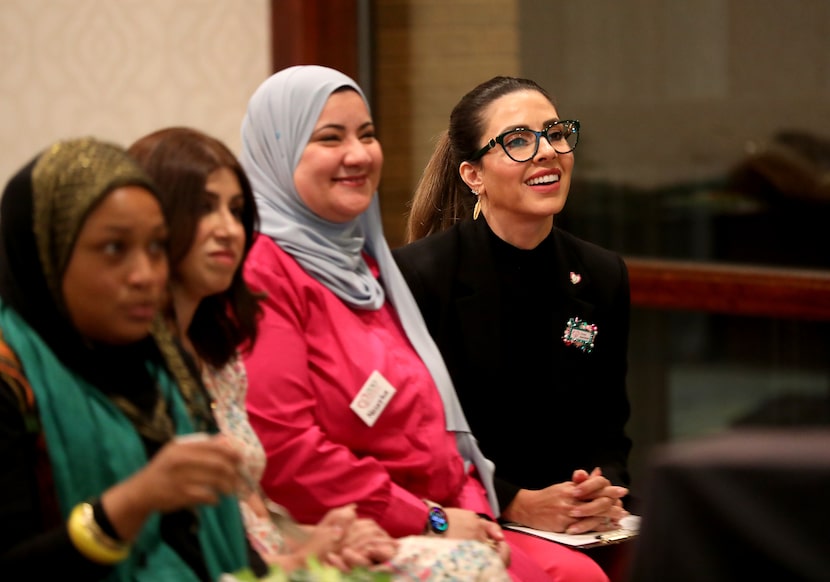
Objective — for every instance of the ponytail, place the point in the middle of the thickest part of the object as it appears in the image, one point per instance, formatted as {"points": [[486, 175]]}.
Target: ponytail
{"points": [[441, 198]]}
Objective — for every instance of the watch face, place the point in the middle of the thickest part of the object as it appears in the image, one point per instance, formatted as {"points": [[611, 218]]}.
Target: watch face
{"points": [[438, 520]]}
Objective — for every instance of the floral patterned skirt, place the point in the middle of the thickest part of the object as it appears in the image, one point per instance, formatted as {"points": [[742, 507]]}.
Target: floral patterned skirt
{"points": [[430, 559]]}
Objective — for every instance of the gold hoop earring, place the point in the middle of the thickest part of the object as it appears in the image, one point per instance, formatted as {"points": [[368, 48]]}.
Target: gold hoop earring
{"points": [[477, 207]]}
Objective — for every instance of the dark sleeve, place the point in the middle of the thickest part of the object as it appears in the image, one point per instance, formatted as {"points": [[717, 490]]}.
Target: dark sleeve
{"points": [[415, 260], [28, 549], [505, 492], [408, 270]]}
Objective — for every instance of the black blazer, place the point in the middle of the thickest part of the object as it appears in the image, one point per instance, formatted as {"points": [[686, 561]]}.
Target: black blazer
{"points": [[572, 413]]}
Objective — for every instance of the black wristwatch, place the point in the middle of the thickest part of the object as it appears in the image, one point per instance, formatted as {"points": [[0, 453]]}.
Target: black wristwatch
{"points": [[437, 522]]}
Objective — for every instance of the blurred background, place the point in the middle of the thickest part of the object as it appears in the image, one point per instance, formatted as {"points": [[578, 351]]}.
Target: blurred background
{"points": [[704, 154]]}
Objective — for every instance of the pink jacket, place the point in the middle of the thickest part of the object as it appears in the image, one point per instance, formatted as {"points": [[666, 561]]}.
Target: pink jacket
{"points": [[312, 356]]}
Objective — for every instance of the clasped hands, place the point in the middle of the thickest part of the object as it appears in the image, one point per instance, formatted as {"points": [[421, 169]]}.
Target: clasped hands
{"points": [[345, 541], [588, 502]]}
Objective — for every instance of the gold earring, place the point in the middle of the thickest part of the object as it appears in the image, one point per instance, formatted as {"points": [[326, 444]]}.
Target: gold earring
{"points": [[477, 207]]}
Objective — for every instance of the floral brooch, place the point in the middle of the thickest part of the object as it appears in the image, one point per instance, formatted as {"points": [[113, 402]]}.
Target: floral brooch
{"points": [[580, 334]]}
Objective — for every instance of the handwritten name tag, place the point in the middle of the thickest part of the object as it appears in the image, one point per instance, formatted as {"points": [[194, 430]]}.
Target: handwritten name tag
{"points": [[373, 397]]}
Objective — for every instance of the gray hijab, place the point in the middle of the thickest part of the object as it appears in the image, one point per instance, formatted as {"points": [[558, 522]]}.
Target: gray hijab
{"points": [[281, 116]]}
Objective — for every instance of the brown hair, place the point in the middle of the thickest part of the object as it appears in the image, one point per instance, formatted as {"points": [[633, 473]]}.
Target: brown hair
{"points": [[442, 198], [179, 160]]}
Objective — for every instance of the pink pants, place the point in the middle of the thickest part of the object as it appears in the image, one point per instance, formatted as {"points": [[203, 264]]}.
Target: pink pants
{"points": [[535, 559]]}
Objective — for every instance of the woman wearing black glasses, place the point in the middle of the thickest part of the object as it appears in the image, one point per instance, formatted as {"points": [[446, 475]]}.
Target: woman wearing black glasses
{"points": [[531, 321]]}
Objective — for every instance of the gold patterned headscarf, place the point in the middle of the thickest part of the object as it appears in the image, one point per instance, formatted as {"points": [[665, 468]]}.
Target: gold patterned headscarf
{"points": [[68, 181]]}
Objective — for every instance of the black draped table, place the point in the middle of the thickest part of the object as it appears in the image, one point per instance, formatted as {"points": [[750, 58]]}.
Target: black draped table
{"points": [[745, 505]]}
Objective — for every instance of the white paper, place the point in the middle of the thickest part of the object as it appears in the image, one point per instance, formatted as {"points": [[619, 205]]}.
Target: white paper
{"points": [[629, 527]]}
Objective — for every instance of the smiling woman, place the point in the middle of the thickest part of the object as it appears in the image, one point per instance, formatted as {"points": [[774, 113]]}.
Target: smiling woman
{"points": [[518, 200], [209, 204], [339, 170], [555, 338], [207, 198]]}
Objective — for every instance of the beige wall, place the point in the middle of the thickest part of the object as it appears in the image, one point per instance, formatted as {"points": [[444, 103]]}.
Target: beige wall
{"points": [[118, 69], [427, 54]]}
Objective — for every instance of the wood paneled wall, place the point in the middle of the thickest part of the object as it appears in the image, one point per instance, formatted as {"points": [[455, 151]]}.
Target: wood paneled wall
{"points": [[315, 32]]}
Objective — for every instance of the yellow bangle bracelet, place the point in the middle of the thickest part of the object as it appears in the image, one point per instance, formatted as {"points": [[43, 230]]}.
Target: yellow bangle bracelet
{"points": [[88, 538]]}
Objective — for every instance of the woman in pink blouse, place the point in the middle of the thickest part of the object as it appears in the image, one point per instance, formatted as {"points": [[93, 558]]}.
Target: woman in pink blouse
{"points": [[347, 391]]}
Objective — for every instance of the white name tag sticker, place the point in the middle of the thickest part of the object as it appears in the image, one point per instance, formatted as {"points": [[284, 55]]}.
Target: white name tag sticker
{"points": [[372, 399]]}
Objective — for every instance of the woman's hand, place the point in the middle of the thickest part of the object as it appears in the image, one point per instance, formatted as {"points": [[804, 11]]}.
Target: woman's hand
{"points": [[468, 525], [184, 473], [191, 471], [325, 539], [587, 503], [365, 543], [345, 541], [601, 507], [495, 539]]}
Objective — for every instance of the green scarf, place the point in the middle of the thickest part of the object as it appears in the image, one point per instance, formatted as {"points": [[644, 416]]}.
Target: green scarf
{"points": [[92, 445]]}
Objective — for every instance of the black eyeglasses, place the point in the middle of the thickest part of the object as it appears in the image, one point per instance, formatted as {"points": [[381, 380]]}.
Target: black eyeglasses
{"points": [[521, 144]]}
